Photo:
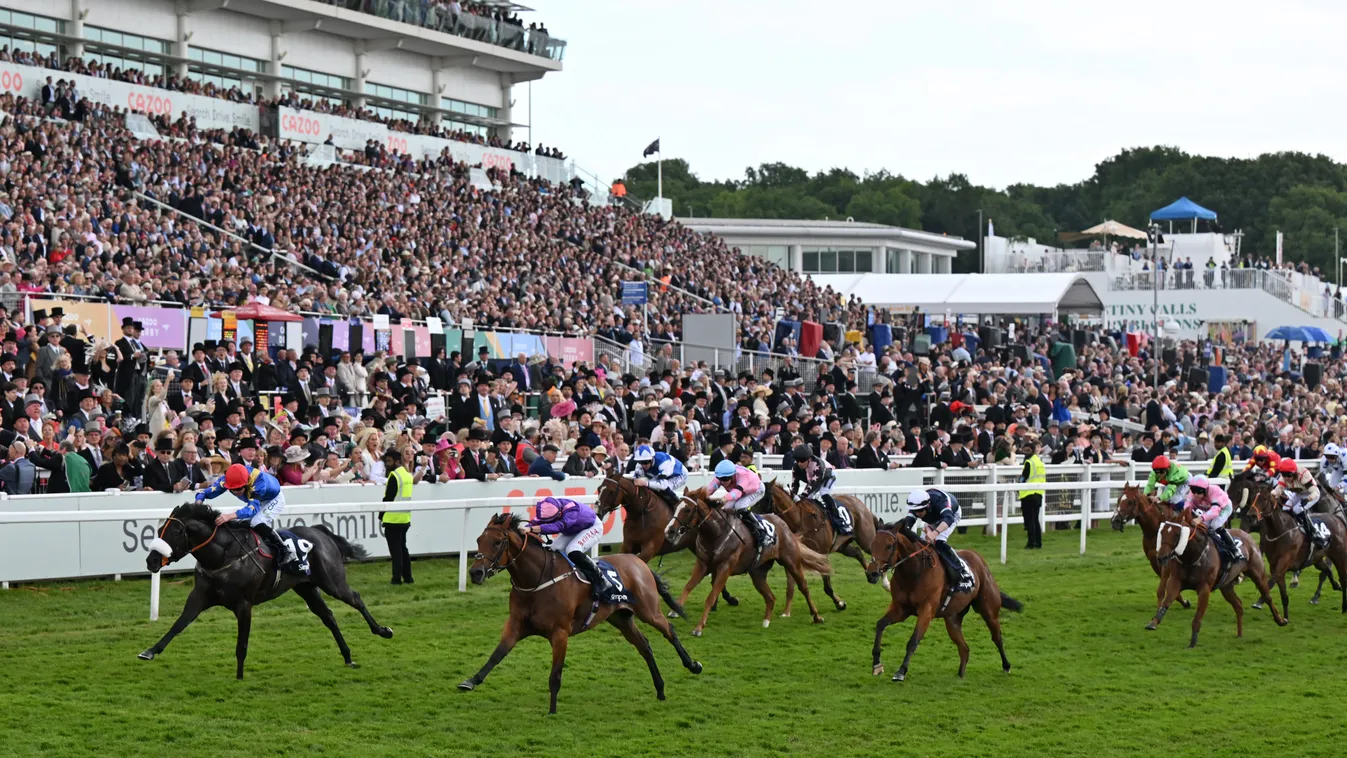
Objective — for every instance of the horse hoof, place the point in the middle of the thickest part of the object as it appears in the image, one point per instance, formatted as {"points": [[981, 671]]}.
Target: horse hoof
{"points": [[1006, 669], [818, 619], [766, 623], [466, 685], [697, 632], [785, 615], [1314, 601], [900, 676], [1295, 582], [660, 696], [733, 601], [146, 655], [674, 615], [1258, 605], [841, 605], [352, 665], [385, 632], [696, 667], [1151, 626], [1283, 622], [877, 670]]}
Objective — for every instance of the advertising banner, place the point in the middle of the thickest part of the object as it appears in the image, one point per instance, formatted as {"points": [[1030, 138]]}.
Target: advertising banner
{"points": [[165, 328]]}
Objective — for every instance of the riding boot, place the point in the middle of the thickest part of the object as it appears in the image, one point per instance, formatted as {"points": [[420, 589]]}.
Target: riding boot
{"points": [[835, 513], [953, 569], [754, 527], [1231, 548], [1303, 519], [285, 560], [598, 583], [668, 496]]}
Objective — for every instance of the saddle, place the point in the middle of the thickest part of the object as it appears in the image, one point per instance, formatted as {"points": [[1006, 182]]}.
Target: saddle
{"points": [[840, 517], [958, 576], [764, 533]]}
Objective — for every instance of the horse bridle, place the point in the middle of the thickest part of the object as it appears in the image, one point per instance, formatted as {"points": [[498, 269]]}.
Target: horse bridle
{"points": [[164, 529], [1258, 514], [495, 567], [684, 528], [893, 552]]}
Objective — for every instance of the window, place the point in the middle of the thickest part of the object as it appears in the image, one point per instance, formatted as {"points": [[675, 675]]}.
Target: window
{"points": [[811, 261], [846, 261], [95, 35], [221, 80], [30, 21], [827, 261], [300, 77], [864, 261]]}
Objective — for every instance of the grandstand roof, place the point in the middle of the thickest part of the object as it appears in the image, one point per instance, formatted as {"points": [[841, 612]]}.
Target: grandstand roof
{"points": [[1011, 294], [805, 229]]}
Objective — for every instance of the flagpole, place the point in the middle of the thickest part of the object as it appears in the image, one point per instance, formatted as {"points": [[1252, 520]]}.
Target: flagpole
{"points": [[659, 191]]}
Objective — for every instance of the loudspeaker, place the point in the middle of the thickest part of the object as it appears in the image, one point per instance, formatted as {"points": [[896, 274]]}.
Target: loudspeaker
{"points": [[1198, 379], [468, 346], [357, 337], [1314, 374], [1169, 355], [325, 341], [409, 345], [437, 344], [1020, 351], [832, 333], [990, 337], [921, 344], [1109, 342], [1079, 339]]}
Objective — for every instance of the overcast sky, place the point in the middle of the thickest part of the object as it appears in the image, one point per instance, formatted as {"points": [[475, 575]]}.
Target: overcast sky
{"points": [[1028, 91]]}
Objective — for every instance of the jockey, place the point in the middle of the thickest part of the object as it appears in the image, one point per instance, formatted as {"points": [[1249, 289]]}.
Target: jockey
{"points": [[1331, 467], [940, 513], [660, 472], [1174, 478], [1301, 491], [1213, 506], [263, 502], [1263, 463], [574, 529], [817, 477], [740, 489]]}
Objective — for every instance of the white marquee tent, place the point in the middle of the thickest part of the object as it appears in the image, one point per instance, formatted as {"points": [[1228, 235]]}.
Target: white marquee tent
{"points": [[1000, 294]]}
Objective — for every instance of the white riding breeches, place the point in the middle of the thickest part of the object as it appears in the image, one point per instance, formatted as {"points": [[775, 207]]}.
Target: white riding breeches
{"points": [[582, 540], [944, 536], [826, 488], [745, 502], [1180, 496], [268, 511], [671, 483], [1296, 504]]}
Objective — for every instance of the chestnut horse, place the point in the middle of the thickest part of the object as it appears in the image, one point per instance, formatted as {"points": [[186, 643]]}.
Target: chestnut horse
{"points": [[811, 524], [647, 515], [1135, 505], [1244, 491], [919, 587], [729, 549], [547, 599], [1190, 561], [1287, 548]]}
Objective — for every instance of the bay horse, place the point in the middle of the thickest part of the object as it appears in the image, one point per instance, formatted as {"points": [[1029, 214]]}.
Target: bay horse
{"points": [[729, 549], [1191, 562], [547, 599], [1135, 505], [811, 524], [1287, 548], [919, 588], [232, 571], [643, 528], [1245, 491]]}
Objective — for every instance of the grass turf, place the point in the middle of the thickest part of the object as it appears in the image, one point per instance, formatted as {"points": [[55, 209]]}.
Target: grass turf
{"points": [[1087, 679]]}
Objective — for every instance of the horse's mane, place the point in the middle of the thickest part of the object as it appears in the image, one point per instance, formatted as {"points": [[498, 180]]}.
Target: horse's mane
{"points": [[511, 520], [194, 511]]}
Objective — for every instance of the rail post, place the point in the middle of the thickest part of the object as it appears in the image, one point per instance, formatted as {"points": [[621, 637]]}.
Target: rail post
{"points": [[154, 596], [463, 554]]}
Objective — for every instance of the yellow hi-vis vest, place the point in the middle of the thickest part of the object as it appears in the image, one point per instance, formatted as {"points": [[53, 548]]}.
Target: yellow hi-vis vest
{"points": [[1228, 470], [404, 493], [1037, 475]]}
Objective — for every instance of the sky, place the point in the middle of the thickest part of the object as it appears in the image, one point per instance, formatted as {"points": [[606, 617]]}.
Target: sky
{"points": [[1035, 91]]}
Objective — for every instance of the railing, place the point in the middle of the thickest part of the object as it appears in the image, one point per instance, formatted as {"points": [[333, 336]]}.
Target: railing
{"points": [[438, 18], [1051, 261], [733, 360], [1297, 290]]}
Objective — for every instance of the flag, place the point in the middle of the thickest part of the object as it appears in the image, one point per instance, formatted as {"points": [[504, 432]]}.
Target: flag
{"points": [[651, 149]]}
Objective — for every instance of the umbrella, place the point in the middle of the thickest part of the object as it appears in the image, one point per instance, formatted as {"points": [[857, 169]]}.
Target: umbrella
{"points": [[1298, 334], [1114, 229], [260, 312]]}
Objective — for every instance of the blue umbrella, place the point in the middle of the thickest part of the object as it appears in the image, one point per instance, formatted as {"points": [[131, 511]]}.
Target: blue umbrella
{"points": [[1298, 334]]}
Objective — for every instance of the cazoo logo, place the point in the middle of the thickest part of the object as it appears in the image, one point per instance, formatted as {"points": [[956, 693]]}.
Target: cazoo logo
{"points": [[151, 104], [396, 144], [11, 81], [301, 125]]}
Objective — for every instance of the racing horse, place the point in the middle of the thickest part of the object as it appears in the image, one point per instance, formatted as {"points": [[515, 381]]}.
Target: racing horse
{"points": [[643, 528], [729, 549], [1190, 561], [548, 599], [1245, 491], [809, 522], [1287, 548], [232, 571], [920, 588], [1135, 505]]}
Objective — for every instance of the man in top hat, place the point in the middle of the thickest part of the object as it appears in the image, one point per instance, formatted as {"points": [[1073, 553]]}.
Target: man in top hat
{"points": [[49, 353], [158, 478], [474, 458], [199, 369], [132, 363]]}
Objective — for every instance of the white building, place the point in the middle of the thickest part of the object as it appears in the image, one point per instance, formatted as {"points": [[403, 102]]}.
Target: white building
{"points": [[392, 59], [837, 247]]}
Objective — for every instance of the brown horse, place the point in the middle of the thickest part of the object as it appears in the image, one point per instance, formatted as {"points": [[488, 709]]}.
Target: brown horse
{"points": [[647, 515], [1135, 505], [809, 522], [729, 549], [919, 588], [1287, 548], [548, 599], [1191, 562], [1246, 490]]}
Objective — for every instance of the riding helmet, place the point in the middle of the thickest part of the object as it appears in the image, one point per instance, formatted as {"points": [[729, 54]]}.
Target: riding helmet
{"points": [[802, 453], [1161, 463], [1287, 466]]}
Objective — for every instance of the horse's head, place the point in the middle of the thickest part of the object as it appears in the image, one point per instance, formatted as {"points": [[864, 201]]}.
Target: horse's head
{"points": [[188, 528], [498, 546], [693, 509], [1175, 537], [1254, 506], [1131, 503], [891, 546], [612, 493]]}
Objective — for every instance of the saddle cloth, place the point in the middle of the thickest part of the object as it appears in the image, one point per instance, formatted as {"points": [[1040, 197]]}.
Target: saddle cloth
{"points": [[615, 593], [966, 579], [1320, 530], [768, 531]]}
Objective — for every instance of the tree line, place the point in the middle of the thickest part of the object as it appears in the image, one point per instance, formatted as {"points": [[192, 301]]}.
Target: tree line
{"points": [[1302, 195]]}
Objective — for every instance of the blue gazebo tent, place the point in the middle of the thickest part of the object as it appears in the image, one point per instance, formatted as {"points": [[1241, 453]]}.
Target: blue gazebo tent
{"points": [[1183, 209]]}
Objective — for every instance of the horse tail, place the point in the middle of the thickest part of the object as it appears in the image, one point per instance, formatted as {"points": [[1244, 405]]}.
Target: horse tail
{"points": [[348, 550], [814, 561], [663, 588], [1011, 603]]}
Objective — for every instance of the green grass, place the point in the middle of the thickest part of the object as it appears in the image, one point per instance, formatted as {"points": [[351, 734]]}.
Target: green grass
{"points": [[1087, 679]]}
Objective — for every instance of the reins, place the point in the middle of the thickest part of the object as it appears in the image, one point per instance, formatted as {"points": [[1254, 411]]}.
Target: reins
{"points": [[496, 566], [183, 524]]}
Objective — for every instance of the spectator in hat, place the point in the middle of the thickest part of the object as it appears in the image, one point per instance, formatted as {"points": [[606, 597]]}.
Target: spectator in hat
{"points": [[474, 459], [581, 462], [49, 353], [542, 465], [506, 465], [293, 471], [158, 477], [931, 452]]}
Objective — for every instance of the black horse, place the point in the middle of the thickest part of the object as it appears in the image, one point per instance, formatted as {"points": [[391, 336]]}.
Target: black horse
{"points": [[232, 572]]}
